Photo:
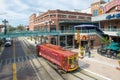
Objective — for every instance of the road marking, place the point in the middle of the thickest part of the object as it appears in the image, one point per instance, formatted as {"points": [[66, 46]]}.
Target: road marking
{"points": [[14, 64], [14, 72]]}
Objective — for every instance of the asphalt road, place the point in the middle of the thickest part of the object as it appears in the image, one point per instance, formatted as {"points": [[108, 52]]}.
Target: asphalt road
{"points": [[14, 63]]}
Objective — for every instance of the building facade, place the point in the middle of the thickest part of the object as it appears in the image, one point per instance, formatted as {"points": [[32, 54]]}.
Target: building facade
{"points": [[54, 20], [107, 14]]}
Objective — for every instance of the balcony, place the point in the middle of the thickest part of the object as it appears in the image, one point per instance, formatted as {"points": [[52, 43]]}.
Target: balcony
{"points": [[111, 31]]}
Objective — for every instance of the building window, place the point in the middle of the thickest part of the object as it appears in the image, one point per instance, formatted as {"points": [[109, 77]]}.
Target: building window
{"points": [[95, 12], [52, 28]]}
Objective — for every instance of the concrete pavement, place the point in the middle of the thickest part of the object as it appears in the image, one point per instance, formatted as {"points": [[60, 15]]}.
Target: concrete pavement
{"points": [[100, 65]]}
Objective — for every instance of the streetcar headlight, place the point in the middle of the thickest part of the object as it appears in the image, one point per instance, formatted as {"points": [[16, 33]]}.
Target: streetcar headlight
{"points": [[72, 66]]}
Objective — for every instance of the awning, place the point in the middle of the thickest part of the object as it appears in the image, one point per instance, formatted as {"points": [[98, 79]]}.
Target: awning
{"points": [[113, 46]]}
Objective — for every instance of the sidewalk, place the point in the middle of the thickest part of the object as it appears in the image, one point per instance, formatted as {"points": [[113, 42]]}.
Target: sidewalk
{"points": [[100, 65]]}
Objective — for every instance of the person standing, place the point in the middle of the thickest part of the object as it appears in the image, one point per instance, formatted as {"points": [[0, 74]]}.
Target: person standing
{"points": [[86, 49], [89, 53]]}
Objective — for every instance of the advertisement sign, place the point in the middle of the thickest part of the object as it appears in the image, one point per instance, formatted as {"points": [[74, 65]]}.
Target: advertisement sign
{"points": [[112, 4], [113, 16]]}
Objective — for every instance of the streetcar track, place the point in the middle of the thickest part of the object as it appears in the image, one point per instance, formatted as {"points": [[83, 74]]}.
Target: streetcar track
{"points": [[56, 69], [86, 74], [77, 76], [79, 71], [32, 49]]}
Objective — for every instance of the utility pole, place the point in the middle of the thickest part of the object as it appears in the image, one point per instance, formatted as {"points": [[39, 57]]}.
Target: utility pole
{"points": [[5, 26]]}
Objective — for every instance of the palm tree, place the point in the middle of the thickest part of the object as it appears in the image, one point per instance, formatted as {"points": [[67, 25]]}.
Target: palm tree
{"points": [[105, 41]]}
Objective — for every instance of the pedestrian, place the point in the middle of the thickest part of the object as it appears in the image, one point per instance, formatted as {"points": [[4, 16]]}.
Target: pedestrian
{"points": [[108, 52], [89, 54], [114, 54], [86, 49]]}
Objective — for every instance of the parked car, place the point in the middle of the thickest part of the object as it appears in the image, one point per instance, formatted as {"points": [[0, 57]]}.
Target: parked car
{"points": [[8, 43], [102, 51]]}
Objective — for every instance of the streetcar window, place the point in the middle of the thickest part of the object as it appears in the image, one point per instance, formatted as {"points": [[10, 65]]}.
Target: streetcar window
{"points": [[70, 61], [75, 59]]}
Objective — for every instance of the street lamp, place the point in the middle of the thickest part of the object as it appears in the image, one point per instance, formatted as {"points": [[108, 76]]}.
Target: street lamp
{"points": [[51, 23], [5, 25]]}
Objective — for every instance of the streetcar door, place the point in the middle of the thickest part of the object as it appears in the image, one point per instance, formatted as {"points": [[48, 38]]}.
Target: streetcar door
{"points": [[64, 63]]}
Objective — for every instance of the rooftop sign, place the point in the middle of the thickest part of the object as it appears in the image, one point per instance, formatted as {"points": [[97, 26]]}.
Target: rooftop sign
{"points": [[113, 16], [112, 4]]}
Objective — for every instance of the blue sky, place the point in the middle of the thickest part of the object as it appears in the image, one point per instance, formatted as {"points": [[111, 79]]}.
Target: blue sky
{"points": [[18, 11]]}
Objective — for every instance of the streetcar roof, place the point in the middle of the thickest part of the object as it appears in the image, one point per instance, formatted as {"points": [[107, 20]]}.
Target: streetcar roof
{"points": [[59, 49]]}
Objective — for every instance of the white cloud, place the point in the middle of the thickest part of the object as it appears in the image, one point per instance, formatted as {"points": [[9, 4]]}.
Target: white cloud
{"points": [[18, 11]]}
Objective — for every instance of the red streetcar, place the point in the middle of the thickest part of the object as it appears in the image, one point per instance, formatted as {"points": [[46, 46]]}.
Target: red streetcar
{"points": [[66, 60]]}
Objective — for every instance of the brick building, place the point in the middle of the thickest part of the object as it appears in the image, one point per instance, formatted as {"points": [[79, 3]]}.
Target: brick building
{"points": [[54, 20]]}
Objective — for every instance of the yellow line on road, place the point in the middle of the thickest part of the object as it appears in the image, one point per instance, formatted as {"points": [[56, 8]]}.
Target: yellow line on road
{"points": [[14, 72], [14, 64]]}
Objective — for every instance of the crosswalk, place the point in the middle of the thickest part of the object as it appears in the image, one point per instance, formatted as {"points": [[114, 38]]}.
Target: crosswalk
{"points": [[17, 59]]}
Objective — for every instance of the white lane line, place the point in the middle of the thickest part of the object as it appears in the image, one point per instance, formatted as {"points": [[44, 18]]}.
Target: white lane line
{"points": [[36, 72], [97, 74]]}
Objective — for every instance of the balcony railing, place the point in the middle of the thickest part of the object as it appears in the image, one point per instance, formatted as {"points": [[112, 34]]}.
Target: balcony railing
{"points": [[111, 29], [75, 31]]}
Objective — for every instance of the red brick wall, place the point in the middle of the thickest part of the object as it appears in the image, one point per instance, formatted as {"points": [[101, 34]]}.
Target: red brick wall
{"points": [[58, 15]]}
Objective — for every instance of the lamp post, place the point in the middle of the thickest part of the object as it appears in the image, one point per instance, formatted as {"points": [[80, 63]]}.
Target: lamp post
{"points": [[5, 25]]}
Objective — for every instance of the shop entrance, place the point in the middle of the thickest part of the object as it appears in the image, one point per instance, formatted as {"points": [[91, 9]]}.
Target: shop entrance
{"points": [[83, 43]]}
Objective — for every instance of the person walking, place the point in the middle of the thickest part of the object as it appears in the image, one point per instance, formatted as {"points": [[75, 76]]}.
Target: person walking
{"points": [[89, 53], [86, 49]]}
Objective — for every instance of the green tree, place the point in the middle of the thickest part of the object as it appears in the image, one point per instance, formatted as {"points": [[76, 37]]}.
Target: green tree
{"points": [[20, 28], [11, 28], [105, 40]]}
